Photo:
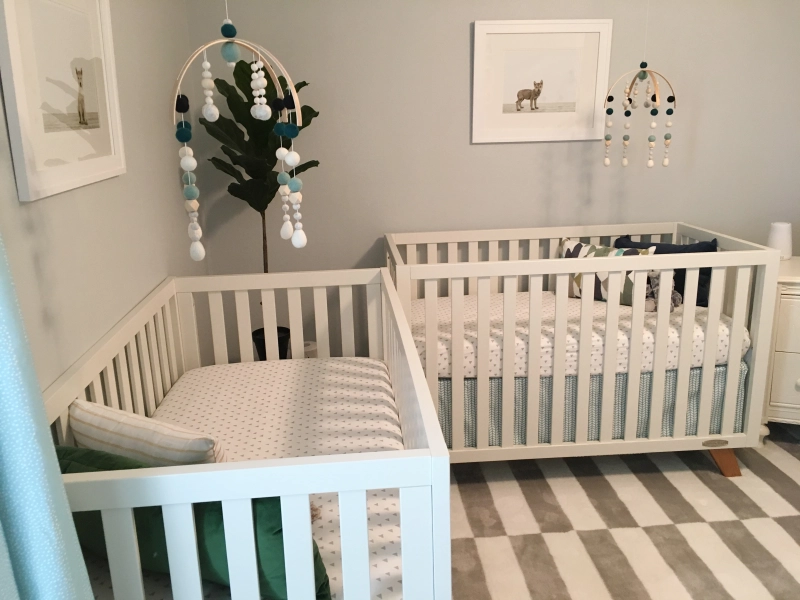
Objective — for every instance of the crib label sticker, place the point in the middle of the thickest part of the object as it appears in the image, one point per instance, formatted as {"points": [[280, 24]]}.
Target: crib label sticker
{"points": [[715, 443]]}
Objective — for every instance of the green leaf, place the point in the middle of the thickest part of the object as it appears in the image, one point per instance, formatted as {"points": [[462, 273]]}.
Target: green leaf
{"points": [[226, 131], [258, 193], [305, 167], [300, 86], [257, 168], [241, 75], [227, 168], [309, 114], [239, 107]]}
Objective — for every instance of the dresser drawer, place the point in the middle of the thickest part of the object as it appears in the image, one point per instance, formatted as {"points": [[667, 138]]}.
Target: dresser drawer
{"points": [[788, 339], [786, 380]]}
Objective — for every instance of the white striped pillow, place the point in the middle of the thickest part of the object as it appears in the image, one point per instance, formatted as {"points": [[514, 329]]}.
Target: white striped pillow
{"points": [[152, 442]]}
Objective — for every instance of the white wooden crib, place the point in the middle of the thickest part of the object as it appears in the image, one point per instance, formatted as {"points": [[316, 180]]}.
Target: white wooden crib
{"points": [[166, 335], [432, 265]]}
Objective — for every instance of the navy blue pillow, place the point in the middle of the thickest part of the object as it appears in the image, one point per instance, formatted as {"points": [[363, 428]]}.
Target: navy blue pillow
{"points": [[704, 280]]}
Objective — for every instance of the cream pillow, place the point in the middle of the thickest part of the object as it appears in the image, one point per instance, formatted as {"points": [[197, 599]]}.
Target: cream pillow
{"points": [[152, 442]]}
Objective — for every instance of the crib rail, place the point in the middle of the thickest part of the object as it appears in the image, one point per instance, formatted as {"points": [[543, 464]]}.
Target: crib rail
{"points": [[742, 288]]}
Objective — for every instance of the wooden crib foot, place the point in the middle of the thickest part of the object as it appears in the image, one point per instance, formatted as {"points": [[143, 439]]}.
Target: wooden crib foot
{"points": [[726, 462]]}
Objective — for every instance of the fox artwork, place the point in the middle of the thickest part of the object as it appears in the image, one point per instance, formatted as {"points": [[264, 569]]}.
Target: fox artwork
{"points": [[531, 95]]}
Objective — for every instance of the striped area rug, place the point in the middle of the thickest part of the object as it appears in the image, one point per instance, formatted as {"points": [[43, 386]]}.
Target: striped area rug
{"points": [[660, 526]]}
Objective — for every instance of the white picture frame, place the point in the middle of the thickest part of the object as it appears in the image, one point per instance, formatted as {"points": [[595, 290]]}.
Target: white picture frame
{"points": [[60, 90], [569, 58]]}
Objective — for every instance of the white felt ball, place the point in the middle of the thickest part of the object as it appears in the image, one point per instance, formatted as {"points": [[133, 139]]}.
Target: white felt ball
{"points": [[634, 104], [260, 64], [281, 153], [254, 111], [185, 151], [196, 251], [208, 93], [609, 123], [650, 163], [653, 125], [207, 84], [647, 103], [624, 162], [254, 76], [188, 163], [231, 64], [635, 92], [287, 217], [287, 229], [262, 83], [668, 123], [254, 67], [227, 22], [207, 75], [665, 162], [284, 190], [627, 91], [627, 125], [254, 84], [191, 206], [210, 112], [195, 233], [206, 65], [607, 161], [285, 208], [296, 197], [296, 206], [267, 110], [299, 239], [209, 100], [298, 216], [626, 104], [292, 159], [262, 112]]}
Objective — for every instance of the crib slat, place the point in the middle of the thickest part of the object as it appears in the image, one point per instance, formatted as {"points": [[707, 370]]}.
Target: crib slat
{"points": [[513, 254], [595, 240], [355, 544], [660, 356], [184, 565], [533, 249], [296, 322], [452, 258], [482, 418], [110, 381], [374, 321], [685, 353], [173, 350], [166, 359], [551, 254], [243, 325], [348, 328], [635, 355], [270, 318], [218, 328], [457, 372], [509, 357], [432, 339], [584, 357], [146, 373], [123, 553], [416, 532], [155, 363], [126, 398], [297, 549], [321, 322], [432, 251], [636, 238], [559, 360], [494, 255], [96, 391], [411, 259], [63, 431], [534, 358], [743, 275], [472, 256], [240, 546], [610, 357], [715, 297], [188, 321]]}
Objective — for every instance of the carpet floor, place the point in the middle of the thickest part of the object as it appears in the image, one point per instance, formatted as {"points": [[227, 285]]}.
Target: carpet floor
{"points": [[657, 526]]}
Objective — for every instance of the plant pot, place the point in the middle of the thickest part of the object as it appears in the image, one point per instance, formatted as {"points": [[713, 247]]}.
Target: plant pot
{"points": [[283, 343]]}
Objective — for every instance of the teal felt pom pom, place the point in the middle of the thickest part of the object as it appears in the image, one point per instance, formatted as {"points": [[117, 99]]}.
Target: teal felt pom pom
{"points": [[667, 136], [189, 178], [228, 30], [654, 112], [283, 178], [295, 184], [191, 192], [278, 129], [230, 52], [642, 75], [626, 137], [290, 130], [184, 125], [608, 136], [183, 135], [652, 138]]}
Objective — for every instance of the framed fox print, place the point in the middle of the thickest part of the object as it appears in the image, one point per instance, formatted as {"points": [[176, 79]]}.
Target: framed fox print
{"points": [[539, 81], [60, 93]]}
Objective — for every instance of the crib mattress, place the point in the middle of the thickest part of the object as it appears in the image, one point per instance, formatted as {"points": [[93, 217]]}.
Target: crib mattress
{"points": [[289, 408], [417, 322]]}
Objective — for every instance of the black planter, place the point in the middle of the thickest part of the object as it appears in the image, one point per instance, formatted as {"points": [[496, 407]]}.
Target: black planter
{"points": [[283, 343]]}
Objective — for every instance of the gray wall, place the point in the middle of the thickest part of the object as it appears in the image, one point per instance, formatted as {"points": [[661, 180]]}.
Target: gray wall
{"points": [[81, 260], [392, 81]]}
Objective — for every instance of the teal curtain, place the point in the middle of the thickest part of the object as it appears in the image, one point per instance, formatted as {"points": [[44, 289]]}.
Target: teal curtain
{"points": [[39, 553]]}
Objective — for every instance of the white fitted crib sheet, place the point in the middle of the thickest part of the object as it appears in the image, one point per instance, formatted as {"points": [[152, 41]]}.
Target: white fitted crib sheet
{"points": [[289, 408], [417, 322]]}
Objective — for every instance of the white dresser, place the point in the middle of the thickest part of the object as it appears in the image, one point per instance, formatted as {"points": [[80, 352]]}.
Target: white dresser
{"points": [[784, 396]]}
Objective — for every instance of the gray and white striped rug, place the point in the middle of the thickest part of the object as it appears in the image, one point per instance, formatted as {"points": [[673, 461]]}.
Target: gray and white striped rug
{"points": [[660, 526]]}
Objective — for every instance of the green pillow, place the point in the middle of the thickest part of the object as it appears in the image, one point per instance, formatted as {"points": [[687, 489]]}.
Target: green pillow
{"points": [[208, 523]]}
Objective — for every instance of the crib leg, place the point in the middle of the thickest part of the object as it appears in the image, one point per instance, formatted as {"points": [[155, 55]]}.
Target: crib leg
{"points": [[726, 462]]}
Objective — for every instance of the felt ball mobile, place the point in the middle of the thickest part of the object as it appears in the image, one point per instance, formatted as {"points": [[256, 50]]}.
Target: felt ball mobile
{"points": [[285, 105]]}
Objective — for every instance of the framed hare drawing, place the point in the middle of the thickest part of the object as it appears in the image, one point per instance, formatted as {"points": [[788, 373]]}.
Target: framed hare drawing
{"points": [[539, 81]]}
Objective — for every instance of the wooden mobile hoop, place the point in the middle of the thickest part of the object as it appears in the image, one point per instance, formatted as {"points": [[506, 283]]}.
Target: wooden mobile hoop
{"points": [[630, 102], [286, 126]]}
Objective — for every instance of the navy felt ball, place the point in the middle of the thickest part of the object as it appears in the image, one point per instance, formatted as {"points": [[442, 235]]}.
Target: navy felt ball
{"points": [[643, 65], [671, 99], [609, 111], [670, 111], [183, 135], [276, 104], [283, 177], [228, 30], [181, 104], [627, 113], [654, 112], [288, 99], [278, 129], [290, 130]]}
